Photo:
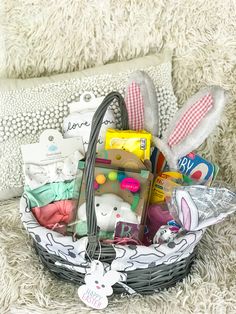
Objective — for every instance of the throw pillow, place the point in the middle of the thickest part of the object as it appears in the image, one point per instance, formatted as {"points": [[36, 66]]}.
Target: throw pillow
{"points": [[27, 107]]}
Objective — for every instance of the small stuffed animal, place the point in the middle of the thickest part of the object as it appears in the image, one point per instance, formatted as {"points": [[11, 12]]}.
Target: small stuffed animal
{"points": [[110, 208], [98, 286]]}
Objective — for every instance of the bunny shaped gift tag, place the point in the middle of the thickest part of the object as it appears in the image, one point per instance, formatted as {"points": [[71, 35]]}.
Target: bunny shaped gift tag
{"points": [[98, 286], [192, 124]]}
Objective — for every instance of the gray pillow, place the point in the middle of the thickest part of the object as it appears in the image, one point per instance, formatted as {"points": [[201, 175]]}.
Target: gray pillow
{"points": [[29, 106]]}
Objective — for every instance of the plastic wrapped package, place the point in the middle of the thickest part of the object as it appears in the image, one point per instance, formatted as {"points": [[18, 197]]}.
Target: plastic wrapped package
{"points": [[196, 207]]}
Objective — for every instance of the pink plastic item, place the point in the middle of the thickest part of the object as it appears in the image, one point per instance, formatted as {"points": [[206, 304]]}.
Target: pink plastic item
{"points": [[130, 184], [157, 216]]}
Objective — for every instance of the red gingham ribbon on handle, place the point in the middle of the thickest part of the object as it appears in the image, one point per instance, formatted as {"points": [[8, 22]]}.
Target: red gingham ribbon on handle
{"points": [[191, 119], [135, 107]]}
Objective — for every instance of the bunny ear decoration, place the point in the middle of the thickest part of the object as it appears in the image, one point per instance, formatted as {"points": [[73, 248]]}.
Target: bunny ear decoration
{"points": [[141, 103], [199, 206], [187, 210], [192, 124]]}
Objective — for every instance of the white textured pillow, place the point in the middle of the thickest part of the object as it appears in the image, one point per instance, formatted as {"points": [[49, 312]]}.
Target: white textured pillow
{"points": [[29, 106]]}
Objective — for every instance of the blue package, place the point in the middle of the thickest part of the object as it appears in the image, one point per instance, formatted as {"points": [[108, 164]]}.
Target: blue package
{"points": [[197, 168]]}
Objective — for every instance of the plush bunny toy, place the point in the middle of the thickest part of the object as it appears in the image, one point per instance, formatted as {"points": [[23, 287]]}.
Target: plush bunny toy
{"points": [[110, 208]]}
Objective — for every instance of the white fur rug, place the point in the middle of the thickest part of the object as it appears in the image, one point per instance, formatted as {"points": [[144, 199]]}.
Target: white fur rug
{"points": [[39, 37]]}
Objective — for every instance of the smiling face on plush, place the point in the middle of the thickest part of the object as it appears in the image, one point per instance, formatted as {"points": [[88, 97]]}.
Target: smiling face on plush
{"points": [[110, 209]]}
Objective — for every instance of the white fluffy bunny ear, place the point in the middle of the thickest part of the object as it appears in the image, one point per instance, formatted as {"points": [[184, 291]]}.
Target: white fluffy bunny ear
{"points": [[141, 103], [192, 124]]}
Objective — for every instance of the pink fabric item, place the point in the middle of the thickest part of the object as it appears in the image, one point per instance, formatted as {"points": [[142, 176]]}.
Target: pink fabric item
{"points": [[51, 215], [191, 119], [158, 215], [135, 107]]}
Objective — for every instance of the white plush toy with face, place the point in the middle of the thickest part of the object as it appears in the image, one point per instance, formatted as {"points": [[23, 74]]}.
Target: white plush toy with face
{"points": [[110, 209]]}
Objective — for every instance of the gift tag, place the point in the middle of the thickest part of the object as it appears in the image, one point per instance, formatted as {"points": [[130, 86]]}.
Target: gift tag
{"points": [[87, 101], [79, 121], [98, 285], [51, 147]]}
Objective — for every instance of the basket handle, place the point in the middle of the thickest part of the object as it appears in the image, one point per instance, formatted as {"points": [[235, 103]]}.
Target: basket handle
{"points": [[90, 165]]}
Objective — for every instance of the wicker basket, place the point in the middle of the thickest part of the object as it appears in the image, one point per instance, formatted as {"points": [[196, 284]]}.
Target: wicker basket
{"points": [[143, 281]]}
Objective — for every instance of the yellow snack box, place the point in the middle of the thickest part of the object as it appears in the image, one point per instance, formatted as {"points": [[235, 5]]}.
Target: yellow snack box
{"points": [[157, 195], [136, 142]]}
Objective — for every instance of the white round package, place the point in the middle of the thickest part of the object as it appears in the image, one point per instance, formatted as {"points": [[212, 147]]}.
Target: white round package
{"points": [[78, 122]]}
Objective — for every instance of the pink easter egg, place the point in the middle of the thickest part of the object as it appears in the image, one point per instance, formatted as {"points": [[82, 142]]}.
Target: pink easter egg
{"points": [[130, 184]]}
